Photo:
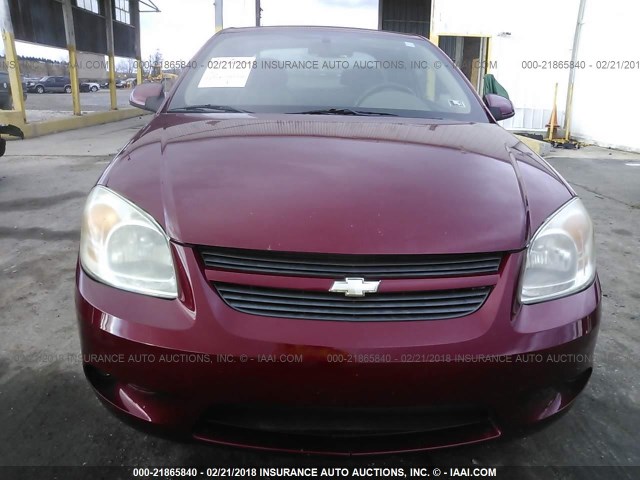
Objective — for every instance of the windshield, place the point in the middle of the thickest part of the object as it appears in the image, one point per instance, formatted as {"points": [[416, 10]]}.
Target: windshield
{"points": [[329, 71]]}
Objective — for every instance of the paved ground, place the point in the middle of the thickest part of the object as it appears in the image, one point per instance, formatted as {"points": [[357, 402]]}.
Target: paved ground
{"points": [[56, 105], [49, 416]]}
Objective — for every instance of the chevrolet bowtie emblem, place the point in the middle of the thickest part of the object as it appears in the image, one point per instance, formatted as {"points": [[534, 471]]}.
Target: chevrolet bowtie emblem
{"points": [[354, 287]]}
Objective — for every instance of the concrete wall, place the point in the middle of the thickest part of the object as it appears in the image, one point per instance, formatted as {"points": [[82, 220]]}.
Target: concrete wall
{"points": [[92, 66]]}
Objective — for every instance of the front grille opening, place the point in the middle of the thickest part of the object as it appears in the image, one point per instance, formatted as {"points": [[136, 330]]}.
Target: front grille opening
{"points": [[340, 265], [344, 429], [343, 422], [403, 306]]}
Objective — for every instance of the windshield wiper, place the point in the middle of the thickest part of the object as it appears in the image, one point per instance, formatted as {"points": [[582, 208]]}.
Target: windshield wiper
{"points": [[344, 111], [207, 107]]}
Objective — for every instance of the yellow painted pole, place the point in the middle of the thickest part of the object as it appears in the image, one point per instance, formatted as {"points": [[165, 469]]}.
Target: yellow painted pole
{"points": [[138, 49], [139, 72], [11, 59], [431, 73], [112, 83], [434, 38], [13, 68], [218, 15], [73, 57], [110, 51], [75, 81], [431, 17]]}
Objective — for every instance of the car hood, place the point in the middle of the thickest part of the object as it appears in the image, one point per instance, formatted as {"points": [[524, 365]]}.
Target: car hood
{"points": [[337, 184]]}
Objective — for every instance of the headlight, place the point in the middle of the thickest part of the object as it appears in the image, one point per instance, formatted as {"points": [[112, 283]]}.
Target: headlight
{"points": [[561, 256], [124, 247]]}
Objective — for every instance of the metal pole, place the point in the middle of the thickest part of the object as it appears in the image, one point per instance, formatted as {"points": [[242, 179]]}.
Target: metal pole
{"points": [[553, 121], [108, 14], [138, 48], [258, 13], [572, 69], [11, 59], [73, 58], [218, 4]]}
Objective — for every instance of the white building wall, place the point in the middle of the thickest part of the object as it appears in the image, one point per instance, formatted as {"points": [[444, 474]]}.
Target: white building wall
{"points": [[92, 66], [520, 32], [605, 101]]}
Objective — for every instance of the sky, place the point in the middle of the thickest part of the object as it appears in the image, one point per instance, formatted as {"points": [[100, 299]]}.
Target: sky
{"points": [[183, 26]]}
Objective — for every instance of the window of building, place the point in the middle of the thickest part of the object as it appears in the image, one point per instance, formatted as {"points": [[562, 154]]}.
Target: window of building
{"points": [[91, 5], [122, 11]]}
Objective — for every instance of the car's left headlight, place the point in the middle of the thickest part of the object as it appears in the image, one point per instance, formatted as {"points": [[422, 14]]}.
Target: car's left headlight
{"points": [[123, 246], [561, 256]]}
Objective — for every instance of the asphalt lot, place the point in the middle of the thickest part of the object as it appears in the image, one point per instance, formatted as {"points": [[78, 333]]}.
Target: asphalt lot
{"points": [[49, 415]]}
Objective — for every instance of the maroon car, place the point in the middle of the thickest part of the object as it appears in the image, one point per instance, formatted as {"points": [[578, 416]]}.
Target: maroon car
{"points": [[323, 241]]}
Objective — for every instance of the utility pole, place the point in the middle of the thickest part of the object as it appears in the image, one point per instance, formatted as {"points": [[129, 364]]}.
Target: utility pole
{"points": [[258, 13], [572, 70], [218, 5]]}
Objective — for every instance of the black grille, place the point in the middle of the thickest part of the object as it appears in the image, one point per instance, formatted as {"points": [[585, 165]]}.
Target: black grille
{"points": [[340, 266], [348, 422], [378, 307], [355, 430]]}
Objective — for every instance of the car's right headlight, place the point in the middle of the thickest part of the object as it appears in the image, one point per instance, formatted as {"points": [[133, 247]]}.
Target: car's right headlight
{"points": [[123, 246], [561, 257]]}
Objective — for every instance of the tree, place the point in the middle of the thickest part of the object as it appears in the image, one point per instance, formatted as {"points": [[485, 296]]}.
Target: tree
{"points": [[126, 66], [154, 67]]}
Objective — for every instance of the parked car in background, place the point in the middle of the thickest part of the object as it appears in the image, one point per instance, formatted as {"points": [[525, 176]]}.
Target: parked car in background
{"points": [[6, 101], [89, 87], [119, 84], [31, 82], [52, 84]]}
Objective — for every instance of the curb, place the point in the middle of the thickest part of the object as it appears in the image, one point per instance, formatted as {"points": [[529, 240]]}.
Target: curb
{"points": [[539, 147], [37, 129]]}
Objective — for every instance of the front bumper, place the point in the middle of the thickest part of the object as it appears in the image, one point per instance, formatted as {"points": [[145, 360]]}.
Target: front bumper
{"points": [[194, 367]]}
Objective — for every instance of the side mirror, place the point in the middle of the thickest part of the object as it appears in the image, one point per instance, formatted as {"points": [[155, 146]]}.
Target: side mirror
{"points": [[147, 96], [501, 108]]}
